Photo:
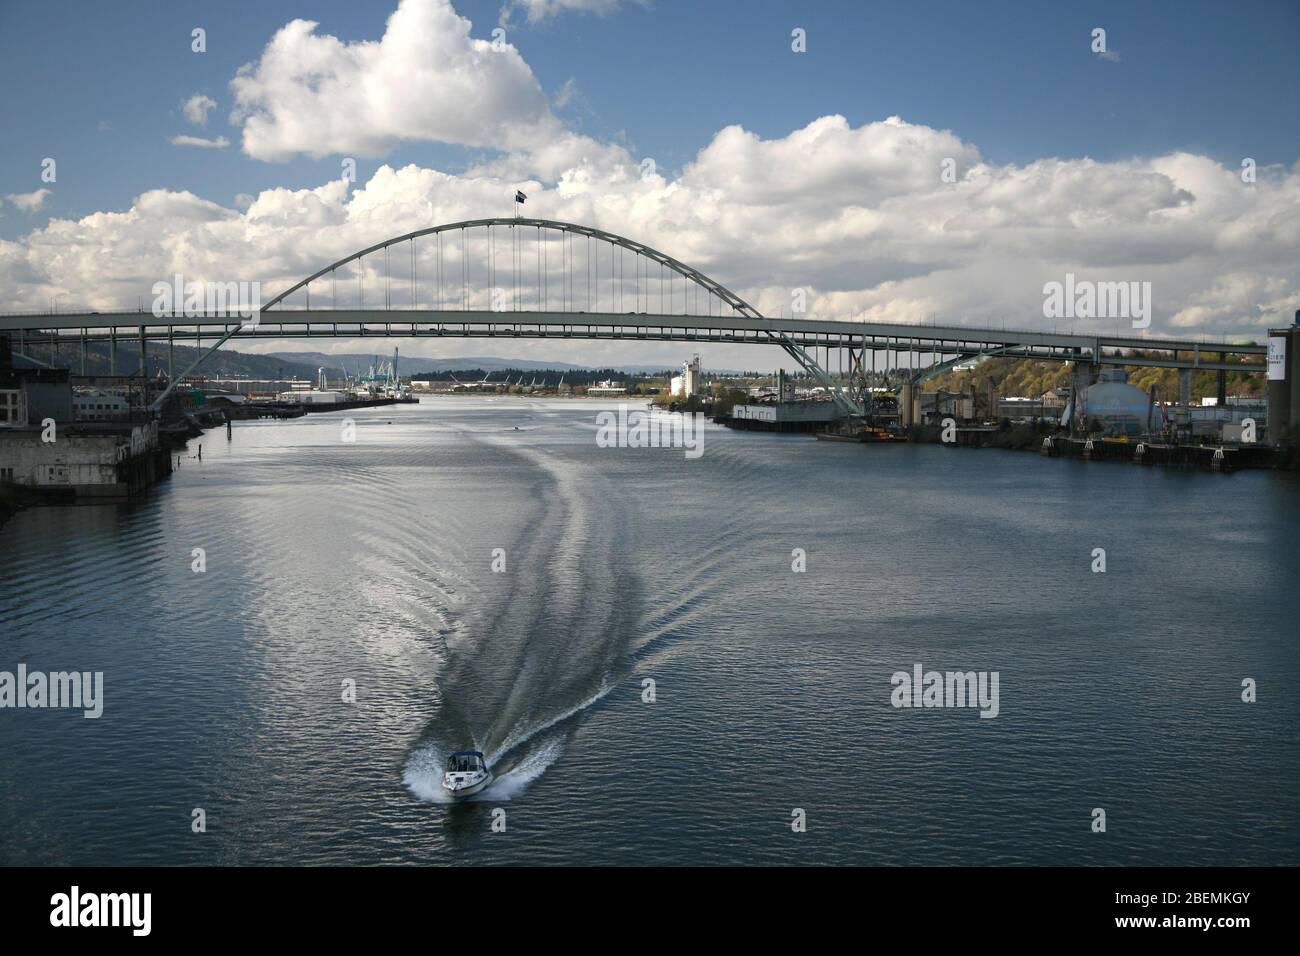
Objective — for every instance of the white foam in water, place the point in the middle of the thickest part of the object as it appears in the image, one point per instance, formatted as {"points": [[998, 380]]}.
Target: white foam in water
{"points": [[516, 780], [517, 740], [423, 775]]}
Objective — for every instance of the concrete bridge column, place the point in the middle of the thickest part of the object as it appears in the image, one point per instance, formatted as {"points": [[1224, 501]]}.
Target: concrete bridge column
{"points": [[909, 408]]}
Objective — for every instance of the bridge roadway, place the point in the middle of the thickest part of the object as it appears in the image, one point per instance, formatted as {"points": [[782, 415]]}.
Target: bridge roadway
{"points": [[70, 328]]}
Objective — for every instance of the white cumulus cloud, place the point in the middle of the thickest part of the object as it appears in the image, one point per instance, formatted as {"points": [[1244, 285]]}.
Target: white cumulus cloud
{"points": [[197, 107], [859, 217], [886, 221], [425, 80], [29, 202], [200, 142], [537, 10]]}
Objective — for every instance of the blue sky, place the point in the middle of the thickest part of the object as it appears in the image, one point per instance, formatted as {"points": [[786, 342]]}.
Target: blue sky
{"points": [[1016, 79], [776, 170]]}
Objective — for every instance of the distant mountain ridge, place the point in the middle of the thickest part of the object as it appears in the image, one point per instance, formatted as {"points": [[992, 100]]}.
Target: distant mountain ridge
{"points": [[234, 363], [225, 363], [354, 362]]}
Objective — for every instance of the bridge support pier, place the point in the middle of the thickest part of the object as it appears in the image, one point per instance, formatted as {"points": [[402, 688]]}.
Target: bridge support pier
{"points": [[809, 364], [909, 407], [171, 384], [857, 376]]}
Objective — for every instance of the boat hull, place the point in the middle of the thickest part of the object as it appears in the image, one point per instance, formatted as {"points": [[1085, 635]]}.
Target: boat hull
{"points": [[468, 790]]}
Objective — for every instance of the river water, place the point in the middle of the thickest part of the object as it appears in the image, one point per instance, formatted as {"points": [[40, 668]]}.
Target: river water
{"points": [[365, 569]]}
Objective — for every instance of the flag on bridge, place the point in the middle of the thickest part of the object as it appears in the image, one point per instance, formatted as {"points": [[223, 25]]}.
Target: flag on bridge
{"points": [[519, 197]]}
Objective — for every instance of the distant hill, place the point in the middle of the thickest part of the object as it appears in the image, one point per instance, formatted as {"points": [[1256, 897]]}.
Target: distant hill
{"points": [[225, 363], [521, 376], [415, 364], [232, 363]]}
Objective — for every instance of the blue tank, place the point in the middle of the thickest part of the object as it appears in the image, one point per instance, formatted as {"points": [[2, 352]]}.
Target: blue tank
{"points": [[1120, 408]]}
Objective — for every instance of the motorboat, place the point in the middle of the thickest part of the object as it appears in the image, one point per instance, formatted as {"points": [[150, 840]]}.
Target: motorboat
{"points": [[467, 773]]}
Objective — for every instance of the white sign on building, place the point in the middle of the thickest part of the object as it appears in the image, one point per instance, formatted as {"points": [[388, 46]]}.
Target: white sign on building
{"points": [[1276, 358]]}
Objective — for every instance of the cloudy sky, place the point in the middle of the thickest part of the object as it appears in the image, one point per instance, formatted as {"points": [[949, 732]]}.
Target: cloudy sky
{"points": [[771, 169]]}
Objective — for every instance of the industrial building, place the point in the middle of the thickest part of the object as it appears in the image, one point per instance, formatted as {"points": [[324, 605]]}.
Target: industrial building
{"points": [[1284, 380], [688, 382], [31, 395], [88, 460], [90, 404], [783, 416], [312, 397], [13, 406], [1023, 408], [58, 441], [931, 407], [1113, 407]]}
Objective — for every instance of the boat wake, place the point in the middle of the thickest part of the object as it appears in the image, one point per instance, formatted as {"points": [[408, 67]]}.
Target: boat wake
{"points": [[423, 774], [543, 641], [516, 764]]}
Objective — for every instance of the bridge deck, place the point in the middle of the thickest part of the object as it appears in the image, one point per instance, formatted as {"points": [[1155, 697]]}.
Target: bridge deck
{"points": [[822, 333]]}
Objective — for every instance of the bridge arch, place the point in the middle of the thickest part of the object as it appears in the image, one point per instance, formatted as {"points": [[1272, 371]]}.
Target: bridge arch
{"points": [[715, 293], [644, 286]]}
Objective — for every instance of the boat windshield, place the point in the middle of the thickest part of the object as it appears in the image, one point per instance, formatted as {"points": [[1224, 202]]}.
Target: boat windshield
{"points": [[464, 763]]}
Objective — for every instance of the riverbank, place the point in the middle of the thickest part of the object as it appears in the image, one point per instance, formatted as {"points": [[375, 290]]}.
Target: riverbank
{"points": [[315, 409], [1053, 443], [13, 499]]}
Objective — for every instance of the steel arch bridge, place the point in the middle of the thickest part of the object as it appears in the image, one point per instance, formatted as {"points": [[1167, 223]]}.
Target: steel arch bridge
{"points": [[486, 273], [532, 274], [542, 278]]}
